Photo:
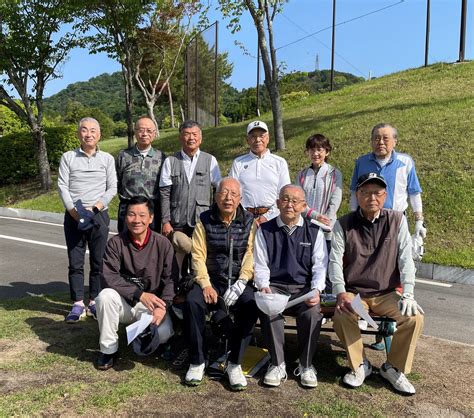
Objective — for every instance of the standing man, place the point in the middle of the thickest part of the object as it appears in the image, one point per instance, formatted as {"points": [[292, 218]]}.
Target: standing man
{"points": [[224, 227], [291, 257], [371, 256], [138, 172], [261, 174], [397, 169], [186, 190], [137, 278], [87, 183]]}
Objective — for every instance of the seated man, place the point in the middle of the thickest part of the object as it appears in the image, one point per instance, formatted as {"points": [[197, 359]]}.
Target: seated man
{"points": [[138, 278], [224, 227], [291, 257], [371, 256]]}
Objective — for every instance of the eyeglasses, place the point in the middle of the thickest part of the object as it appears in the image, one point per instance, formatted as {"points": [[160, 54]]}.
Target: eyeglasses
{"points": [[227, 192], [145, 131], [367, 193], [287, 200], [384, 139], [255, 137]]}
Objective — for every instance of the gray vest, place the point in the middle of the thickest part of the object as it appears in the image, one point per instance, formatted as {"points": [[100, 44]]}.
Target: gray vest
{"points": [[189, 200]]}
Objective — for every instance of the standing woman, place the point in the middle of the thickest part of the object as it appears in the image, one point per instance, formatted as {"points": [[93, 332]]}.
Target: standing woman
{"points": [[322, 184]]}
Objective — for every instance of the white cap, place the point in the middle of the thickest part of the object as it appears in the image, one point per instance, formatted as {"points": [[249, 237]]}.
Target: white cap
{"points": [[271, 303], [256, 124]]}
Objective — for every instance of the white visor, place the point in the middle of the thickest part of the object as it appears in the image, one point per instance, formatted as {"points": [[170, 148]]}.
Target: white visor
{"points": [[271, 303]]}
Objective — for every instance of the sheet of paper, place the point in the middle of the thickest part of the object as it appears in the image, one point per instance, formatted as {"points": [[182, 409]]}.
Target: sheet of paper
{"points": [[359, 310], [301, 298], [135, 329], [324, 227]]}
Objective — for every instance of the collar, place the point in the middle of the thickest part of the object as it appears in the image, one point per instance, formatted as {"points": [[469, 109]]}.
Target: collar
{"points": [[372, 221], [135, 151], [255, 156], [187, 157], [393, 156], [81, 151], [136, 244], [280, 223], [238, 214]]}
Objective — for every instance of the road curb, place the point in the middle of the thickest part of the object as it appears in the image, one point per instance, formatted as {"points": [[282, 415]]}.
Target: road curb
{"points": [[428, 271], [38, 215]]}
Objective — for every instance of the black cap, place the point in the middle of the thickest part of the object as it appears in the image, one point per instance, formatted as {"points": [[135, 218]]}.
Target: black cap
{"points": [[147, 342], [370, 178]]}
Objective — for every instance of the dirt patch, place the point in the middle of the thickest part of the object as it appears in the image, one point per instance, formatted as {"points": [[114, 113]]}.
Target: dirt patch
{"points": [[441, 375]]}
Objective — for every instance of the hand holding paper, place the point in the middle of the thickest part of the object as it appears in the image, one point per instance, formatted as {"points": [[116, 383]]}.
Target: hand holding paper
{"points": [[360, 310]]}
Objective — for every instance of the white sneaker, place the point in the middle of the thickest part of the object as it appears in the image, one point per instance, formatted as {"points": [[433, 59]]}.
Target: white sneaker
{"points": [[237, 380], [194, 374], [398, 380], [355, 378], [307, 376], [275, 374]]}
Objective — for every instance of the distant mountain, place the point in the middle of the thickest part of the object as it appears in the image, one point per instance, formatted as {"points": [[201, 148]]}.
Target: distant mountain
{"points": [[105, 92]]}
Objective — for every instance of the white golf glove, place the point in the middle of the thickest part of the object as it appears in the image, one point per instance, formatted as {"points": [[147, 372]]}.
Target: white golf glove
{"points": [[417, 247], [233, 292], [420, 229], [408, 305]]}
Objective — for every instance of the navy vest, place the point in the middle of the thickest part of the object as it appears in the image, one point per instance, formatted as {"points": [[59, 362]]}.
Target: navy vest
{"points": [[218, 237], [290, 255]]}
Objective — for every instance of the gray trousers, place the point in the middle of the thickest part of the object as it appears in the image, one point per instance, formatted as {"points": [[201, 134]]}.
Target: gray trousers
{"points": [[308, 325]]}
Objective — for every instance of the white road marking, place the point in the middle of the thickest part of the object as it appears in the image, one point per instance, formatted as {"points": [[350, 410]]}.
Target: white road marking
{"points": [[30, 220], [30, 241], [433, 283], [40, 222]]}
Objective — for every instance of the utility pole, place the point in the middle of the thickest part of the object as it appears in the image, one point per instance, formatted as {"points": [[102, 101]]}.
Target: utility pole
{"points": [[333, 40], [257, 105], [317, 62], [462, 40], [427, 40]]}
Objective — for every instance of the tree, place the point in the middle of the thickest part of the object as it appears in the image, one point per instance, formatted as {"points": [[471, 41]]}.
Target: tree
{"points": [[159, 49], [117, 23], [263, 13], [31, 50]]}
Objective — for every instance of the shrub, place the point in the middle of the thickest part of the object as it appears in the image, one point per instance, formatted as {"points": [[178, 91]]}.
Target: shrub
{"points": [[17, 152], [294, 97], [120, 128]]}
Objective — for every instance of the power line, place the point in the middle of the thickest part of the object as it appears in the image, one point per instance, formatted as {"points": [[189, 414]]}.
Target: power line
{"points": [[339, 24], [326, 46]]}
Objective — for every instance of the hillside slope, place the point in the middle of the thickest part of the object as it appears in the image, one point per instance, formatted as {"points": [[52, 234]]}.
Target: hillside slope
{"points": [[433, 111]]}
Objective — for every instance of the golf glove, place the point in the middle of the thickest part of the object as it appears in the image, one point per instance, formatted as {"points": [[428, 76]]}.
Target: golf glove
{"points": [[420, 229], [233, 292], [417, 247], [408, 305]]}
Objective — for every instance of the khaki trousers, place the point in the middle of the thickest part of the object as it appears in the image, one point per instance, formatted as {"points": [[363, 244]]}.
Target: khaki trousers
{"points": [[404, 340]]}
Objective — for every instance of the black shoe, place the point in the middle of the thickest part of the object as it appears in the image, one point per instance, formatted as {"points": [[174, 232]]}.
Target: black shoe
{"points": [[106, 361]]}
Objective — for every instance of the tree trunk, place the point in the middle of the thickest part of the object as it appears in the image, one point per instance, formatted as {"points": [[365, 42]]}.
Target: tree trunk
{"points": [[277, 117], [128, 87], [150, 107], [42, 159], [170, 100]]}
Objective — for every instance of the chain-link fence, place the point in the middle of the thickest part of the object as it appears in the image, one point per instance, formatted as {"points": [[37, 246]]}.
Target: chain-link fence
{"points": [[201, 77]]}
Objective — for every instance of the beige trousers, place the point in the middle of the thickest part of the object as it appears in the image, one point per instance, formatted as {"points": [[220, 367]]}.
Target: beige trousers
{"points": [[404, 340], [112, 310]]}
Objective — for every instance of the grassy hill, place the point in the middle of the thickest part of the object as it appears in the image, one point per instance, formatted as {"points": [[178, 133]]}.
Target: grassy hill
{"points": [[433, 111]]}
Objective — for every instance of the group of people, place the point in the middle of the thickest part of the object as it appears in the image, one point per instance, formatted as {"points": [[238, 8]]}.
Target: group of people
{"points": [[225, 243]]}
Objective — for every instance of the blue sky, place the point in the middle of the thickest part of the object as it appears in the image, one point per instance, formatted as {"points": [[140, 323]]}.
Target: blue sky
{"points": [[382, 42]]}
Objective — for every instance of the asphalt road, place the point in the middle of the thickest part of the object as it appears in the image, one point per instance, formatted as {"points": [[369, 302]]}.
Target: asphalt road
{"points": [[34, 261]]}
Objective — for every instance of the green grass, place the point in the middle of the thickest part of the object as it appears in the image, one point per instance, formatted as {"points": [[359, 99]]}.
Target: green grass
{"points": [[432, 109]]}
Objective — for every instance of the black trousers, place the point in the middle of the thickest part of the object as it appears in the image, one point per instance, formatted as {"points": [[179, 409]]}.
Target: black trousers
{"points": [[77, 242], [245, 313], [308, 325]]}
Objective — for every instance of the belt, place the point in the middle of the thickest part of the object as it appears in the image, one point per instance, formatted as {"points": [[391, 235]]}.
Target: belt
{"points": [[258, 211]]}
